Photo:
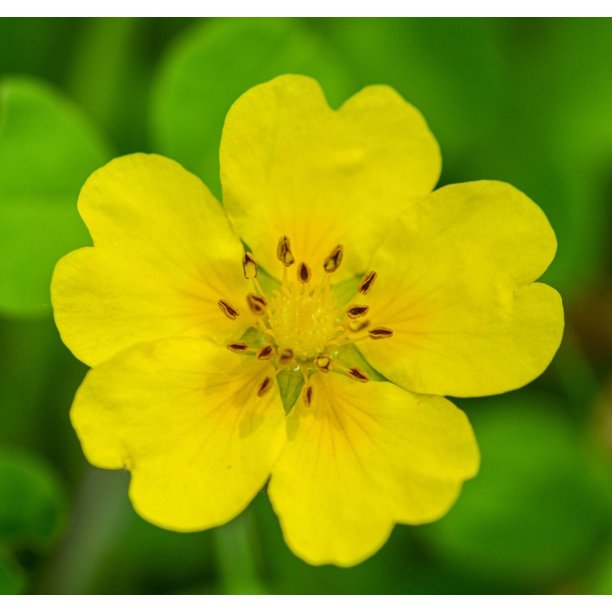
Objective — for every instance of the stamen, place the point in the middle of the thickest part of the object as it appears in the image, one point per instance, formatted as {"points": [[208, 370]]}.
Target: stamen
{"points": [[283, 252], [265, 352], [366, 282], [303, 273], [229, 311], [357, 310], [285, 356], [257, 303], [357, 325], [323, 362], [307, 395], [334, 259], [358, 374], [264, 387], [249, 266], [238, 347], [380, 333], [300, 321]]}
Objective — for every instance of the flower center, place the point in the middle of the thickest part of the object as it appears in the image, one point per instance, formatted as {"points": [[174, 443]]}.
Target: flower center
{"points": [[304, 319], [302, 325]]}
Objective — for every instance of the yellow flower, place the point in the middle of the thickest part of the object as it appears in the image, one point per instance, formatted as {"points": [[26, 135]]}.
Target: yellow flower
{"points": [[443, 303]]}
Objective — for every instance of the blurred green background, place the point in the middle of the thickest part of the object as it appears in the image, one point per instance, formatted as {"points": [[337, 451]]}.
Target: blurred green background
{"points": [[525, 101]]}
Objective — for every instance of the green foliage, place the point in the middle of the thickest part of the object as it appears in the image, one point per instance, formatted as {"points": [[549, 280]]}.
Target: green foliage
{"points": [[101, 80], [47, 150], [31, 514], [12, 578], [211, 66], [31, 506], [115, 91], [538, 506], [581, 141], [110, 549], [449, 69], [599, 582]]}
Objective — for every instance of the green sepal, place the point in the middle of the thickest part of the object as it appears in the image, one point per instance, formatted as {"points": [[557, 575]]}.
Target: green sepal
{"points": [[290, 384]]}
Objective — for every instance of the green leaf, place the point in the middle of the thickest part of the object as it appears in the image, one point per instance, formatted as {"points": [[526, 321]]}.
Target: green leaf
{"points": [[581, 142], [599, 580], [36, 45], [47, 150], [38, 379], [213, 65], [537, 510], [12, 577], [31, 501], [448, 68], [101, 81], [111, 72]]}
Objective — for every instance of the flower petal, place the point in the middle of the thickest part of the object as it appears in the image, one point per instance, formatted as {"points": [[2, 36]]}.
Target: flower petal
{"points": [[362, 457], [290, 165], [164, 255], [454, 286], [184, 417]]}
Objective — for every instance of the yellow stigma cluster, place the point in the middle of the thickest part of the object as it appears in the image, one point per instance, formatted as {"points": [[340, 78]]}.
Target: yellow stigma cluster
{"points": [[304, 319]]}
